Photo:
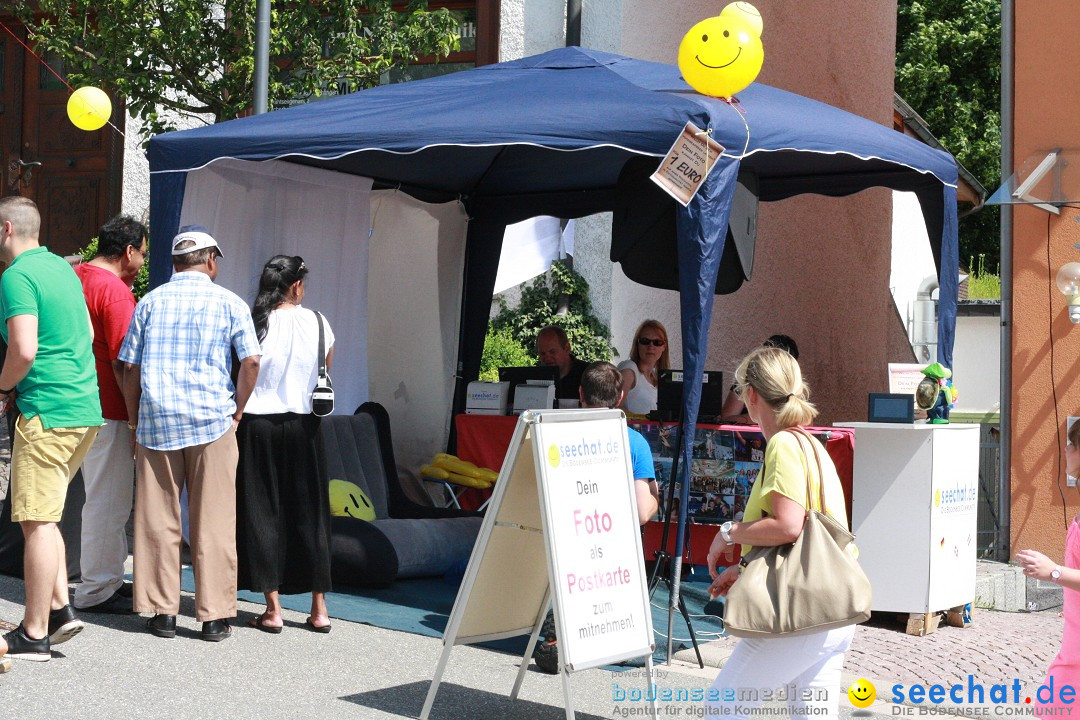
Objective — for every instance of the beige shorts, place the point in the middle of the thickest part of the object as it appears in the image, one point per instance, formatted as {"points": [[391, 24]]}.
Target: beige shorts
{"points": [[42, 464]]}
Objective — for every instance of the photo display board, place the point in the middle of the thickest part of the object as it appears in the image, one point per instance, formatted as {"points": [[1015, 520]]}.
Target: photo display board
{"points": [[724, 465], [594, 544]]}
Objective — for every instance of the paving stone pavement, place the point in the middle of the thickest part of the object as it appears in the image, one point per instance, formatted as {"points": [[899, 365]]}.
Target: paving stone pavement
{"points": [[998, 646]]}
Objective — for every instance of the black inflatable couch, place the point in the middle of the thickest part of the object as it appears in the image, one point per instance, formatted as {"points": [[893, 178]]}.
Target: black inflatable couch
{"points": [[406, 539]]}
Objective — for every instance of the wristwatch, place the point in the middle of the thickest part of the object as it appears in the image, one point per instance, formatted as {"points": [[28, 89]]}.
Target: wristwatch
{"points": [[1055, 574], [725, 532]]}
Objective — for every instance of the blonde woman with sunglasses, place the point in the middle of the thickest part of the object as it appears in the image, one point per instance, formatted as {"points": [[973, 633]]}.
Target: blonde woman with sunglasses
{"points": [[648, 356]]}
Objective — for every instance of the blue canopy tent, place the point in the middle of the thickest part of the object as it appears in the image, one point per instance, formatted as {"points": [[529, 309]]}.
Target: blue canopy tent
{"points": [[550, 135]]}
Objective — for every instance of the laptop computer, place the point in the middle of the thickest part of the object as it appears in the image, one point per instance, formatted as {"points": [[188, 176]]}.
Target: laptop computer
{"points": [[517, 375], [669, 395]]}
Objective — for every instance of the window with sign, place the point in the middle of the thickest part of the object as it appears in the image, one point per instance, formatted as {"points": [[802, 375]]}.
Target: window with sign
{"points": [[479, 28], [478, 23]]}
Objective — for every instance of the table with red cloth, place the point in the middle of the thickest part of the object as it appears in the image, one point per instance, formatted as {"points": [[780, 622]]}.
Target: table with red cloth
{"points": [[725, 461]]}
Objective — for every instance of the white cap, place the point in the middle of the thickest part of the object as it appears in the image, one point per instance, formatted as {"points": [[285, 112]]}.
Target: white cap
{"points": [[197, 234]]}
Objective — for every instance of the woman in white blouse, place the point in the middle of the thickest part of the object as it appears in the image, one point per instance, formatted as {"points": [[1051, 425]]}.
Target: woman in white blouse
{"points": [[282, 508], [648, 356]]}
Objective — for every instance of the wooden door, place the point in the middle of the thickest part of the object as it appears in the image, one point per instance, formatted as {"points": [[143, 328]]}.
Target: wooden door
{"points": [[74, 176]]}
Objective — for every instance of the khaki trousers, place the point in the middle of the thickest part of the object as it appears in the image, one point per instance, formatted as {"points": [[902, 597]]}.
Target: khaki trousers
{"points": [[209, 473], [108, 473]]}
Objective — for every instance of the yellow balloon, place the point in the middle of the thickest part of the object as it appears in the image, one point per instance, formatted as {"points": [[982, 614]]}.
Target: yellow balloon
{"points": [[721, 55], [747, 12], [89, 108]]}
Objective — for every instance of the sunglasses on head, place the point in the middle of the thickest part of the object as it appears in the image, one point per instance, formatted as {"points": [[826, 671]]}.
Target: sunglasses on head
{"points": [[655, 342]]}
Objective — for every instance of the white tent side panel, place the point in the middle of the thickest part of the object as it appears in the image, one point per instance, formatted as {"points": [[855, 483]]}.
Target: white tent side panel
{"points": [[260, 209], [416, 257]]}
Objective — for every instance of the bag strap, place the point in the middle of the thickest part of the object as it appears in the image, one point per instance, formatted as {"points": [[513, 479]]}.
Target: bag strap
{"points": [[322, 350], [799, 433]]}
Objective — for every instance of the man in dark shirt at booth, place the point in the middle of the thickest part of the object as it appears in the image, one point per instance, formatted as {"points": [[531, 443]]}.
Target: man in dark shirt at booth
{"points": [[553, 347]]}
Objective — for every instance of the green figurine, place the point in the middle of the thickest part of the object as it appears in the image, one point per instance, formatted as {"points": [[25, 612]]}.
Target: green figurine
{"points": [[935, 393]]}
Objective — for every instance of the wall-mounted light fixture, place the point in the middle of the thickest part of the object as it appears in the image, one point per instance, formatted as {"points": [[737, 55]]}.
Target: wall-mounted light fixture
{"points": [[1068, 282]]}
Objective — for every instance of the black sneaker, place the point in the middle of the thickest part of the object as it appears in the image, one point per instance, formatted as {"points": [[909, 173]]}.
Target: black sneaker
{"points": [[22, 647], [126, 589], [63, 625], [546, 653]]}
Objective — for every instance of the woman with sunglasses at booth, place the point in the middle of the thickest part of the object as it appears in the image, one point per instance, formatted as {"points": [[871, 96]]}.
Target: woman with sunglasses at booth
{"points": [[648, 356]]}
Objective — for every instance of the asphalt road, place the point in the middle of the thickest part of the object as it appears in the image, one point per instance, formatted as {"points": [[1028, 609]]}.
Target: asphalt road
{"points": [[115, 669]]}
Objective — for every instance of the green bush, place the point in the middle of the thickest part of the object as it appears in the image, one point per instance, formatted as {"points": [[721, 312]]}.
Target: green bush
{"points": [[142, 280], [501, 350], [590, 339]]}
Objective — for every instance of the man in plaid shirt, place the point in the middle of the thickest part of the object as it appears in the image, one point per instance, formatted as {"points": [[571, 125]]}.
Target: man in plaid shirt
{"points": [[178, 386]]}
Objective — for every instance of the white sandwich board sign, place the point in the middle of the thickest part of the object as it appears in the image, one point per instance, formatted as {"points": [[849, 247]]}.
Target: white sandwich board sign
{"points": [[565, 499]]}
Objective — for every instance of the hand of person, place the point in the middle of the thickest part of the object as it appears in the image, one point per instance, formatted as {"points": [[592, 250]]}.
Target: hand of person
{"points": [[7, 402], [1035, 564], [718, 548], [723, 582]]}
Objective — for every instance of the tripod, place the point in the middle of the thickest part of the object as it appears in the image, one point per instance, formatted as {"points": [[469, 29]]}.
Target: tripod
{"points": [[667, 569]]}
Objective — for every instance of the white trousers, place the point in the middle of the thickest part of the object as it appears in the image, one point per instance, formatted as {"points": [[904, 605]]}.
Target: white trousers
{"points": [[108, 473], [806, 668]]}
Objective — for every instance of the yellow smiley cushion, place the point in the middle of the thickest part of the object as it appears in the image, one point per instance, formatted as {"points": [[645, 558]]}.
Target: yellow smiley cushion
{"points": [[348, 500]]}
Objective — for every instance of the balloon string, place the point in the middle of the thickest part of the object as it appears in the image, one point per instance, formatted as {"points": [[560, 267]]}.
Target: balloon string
{"points": [[731, 102], [707, 134], [39, 58], [49, 68]]}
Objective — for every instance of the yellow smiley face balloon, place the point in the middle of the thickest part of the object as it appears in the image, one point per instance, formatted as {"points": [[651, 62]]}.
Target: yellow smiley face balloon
{"points": [[721, 55], [862, 693], [747, 11]]}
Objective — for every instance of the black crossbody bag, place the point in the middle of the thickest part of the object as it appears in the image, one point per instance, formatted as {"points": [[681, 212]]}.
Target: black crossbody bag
{"points": [[322, 397]]}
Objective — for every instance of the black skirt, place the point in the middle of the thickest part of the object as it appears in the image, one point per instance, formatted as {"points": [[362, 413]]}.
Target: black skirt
{"points": [[282, 505]]}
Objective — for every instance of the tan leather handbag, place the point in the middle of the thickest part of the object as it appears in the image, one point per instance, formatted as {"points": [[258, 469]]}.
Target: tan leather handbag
{"points": [[812, 585]]}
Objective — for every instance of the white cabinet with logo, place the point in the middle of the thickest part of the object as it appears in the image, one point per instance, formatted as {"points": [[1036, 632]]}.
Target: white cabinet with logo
{"points": [[913, 511]]}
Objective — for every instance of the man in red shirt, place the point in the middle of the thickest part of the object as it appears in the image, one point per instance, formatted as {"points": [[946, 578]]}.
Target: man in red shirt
{"points": [[109, 467]]}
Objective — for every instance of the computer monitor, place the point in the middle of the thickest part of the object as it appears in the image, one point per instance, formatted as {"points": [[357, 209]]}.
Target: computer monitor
{"points": [[891, 407], [517, 375], [670, 389]]}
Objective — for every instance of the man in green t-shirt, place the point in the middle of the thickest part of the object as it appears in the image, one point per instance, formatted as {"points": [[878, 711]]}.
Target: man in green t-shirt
{"points": [[49, 373]]}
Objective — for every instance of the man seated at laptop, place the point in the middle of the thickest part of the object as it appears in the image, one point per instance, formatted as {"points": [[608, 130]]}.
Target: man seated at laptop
{"points": [[553, 347], [601, 387]]}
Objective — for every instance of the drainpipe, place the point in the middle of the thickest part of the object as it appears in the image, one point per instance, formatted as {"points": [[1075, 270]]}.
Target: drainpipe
{"points": [[573, 22], [573, 37], [1004, 500], [262, 54]]}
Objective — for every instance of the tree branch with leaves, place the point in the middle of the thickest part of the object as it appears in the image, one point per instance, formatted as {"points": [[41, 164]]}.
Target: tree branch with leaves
{"points": [[172, 59]]}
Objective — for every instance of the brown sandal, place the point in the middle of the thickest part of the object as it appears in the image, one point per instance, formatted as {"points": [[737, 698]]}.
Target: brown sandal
{"points": [[317, 628], [258, 624]]}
